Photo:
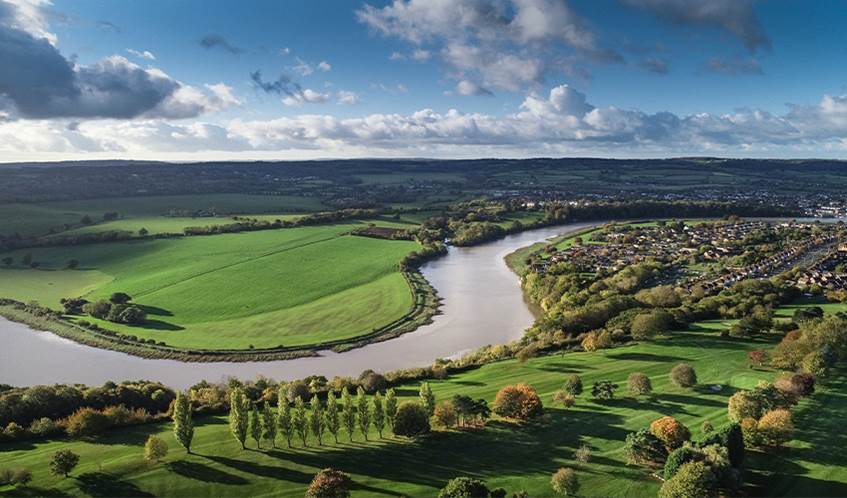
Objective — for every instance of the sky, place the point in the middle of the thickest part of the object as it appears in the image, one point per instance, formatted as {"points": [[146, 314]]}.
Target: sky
{"points": [[233, 80]]}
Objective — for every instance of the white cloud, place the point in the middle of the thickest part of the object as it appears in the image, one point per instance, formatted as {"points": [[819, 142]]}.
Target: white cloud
{"points": [[420, 54], [307, 96], [284, 51], [324, 66], [346, 97], [144, 54], [466, 87]]}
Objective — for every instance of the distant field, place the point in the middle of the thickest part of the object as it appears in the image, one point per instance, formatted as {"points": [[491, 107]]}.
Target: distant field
{"points": [[40, 218], [511, 456], [268, 288]]}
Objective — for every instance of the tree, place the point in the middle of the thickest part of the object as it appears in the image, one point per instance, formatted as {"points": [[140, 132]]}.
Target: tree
{"points": [[564, 482], [363, 412], [639, 384], [283, 419], [316, 420], [372, 382], [776, 427], [604, 389], [99, 309], [300, 421], [564, 398], [63, 462], [744, 404], [390, 407], [378, 414], [677, 458], [268, 424], [183, 424], [298, 389], [692, 480], [142, 232], [329, 483], [331, 415], [155, 449], [573, 385], [683, 375], [427, 398], [348, 413], [86, 422], [670, 431], [815, 363], [642, 447], [445, 414], [519, 402], [464, 487], [411, 420], [647, 325], [758, 357], [238, 417], [73, 264], [120, 298]]}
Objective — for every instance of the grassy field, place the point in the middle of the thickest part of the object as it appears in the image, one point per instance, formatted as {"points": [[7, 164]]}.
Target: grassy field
{"points": [[267, 288], [504, 454]]}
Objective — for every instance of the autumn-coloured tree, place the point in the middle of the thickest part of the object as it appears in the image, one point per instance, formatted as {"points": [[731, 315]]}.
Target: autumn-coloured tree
{"points": [[329, 483], [519, 402], [670, 431], [776, 427], [445, 414], [683, 375], [758, 357], [639, 384]]}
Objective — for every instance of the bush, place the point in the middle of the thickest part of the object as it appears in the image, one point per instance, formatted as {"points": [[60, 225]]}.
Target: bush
{"points": [[329, 483], [567, 400], [647, 325], [86, 422], [643, 447], [750, 430], [43, 427], [776, 428], [564, 482], [445, 414], [744, 404], [518, 402], [683, 375], [604, 390], [14, 431], [692, 480], [677, 458], [583, 454], [670, 431], [464, 487], [573, 385], [411, 420], [372, 382], [730, 437], [639, 384], [155, 449]]}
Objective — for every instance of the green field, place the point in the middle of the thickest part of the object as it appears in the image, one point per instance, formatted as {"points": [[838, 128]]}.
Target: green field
{"points": [[503, 454], [267, 288]]}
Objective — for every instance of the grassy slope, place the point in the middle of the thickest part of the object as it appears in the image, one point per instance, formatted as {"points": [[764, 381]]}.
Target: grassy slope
{"points": [[514, 457], [292, 286]]}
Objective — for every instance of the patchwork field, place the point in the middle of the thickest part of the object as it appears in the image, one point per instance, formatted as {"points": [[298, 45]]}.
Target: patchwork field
{"points": [[505, 455], [262, 289]]}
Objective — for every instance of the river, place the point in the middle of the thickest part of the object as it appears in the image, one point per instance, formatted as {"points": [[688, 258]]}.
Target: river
{"points": [[482, 304]]}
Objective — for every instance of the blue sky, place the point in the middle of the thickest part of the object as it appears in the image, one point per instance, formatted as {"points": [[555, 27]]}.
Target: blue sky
{"points": [[442, 78]]}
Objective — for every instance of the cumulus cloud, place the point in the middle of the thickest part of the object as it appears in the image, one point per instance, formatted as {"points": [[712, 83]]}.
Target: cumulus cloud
{"points": [[466, 87], [45, 84], [144, 54], [503, 45], [734, 16], [214, 40]]}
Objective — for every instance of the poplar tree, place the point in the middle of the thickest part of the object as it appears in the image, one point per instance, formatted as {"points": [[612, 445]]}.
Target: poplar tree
{"points": [[363, 412], [390, 407], [427, 398], [331, 416], [316, 419], [348, 414], [238, 415], [300, 423], [283, 420], [256, 427], [183, 425], [378, 414], [268, 424]]}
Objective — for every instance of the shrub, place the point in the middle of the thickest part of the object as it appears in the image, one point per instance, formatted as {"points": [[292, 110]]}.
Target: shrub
{"points": [[445, 414], [677, 458], [744, 404], [804, 382], [573, 385], [14, 431], [155, 449], [43, 427], [730, 437], [758, 357], [643, 447], [583, 454], [411, 420], [464, 487], [776, 427], [518, 402], [639, 384], [63, 462], [670, 431], [329, 483], [564, 482], [604, 390], [564, 398], [372, 382], [683, 375], [86, 422], [706, 427], [750, 430], [692, 480]]}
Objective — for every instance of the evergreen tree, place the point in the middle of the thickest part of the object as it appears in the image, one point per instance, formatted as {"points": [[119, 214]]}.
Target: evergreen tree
{"points": [[348, 414], [183, 425], [363, 412], [256, 427], [268, 425], [427, 398], [283, 420], [316, 419], [331, 420], [378, 414], [299, 421], [390, 407], [238, 406]]}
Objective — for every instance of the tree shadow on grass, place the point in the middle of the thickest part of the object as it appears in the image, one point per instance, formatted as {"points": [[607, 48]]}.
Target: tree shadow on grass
{"points": [[563, 368], [33, 491], [107, 485], [272, 472], [645, 357], [204, 473], [155, 310], [160, 325]]}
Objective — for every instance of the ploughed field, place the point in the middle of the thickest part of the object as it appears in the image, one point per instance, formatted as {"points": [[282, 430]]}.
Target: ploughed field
{"points": [[503, 454], [289, 287]]}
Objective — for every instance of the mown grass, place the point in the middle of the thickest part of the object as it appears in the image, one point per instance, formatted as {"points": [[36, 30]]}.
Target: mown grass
{"points": [[503, 454], [268, 288]]}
